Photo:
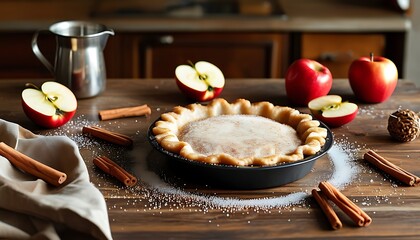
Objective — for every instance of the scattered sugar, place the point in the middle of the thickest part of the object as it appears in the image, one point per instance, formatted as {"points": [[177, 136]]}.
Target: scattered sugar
{"points": [[372, 112], [154, 193], [73, 130], [160, 194], [94, 146], [342, 157]]}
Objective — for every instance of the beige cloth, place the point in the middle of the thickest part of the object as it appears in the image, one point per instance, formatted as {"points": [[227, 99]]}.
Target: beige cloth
{"points": [[32, 209]]}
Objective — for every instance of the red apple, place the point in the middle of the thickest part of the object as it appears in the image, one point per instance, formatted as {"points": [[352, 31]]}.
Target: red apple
{"points": [[332, 111], [307, 79], [373, 79], [200, 82], [51, 106]]}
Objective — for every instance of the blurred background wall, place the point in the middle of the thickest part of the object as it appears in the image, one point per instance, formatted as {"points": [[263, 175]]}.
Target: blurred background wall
{"points": [[412, 61]]}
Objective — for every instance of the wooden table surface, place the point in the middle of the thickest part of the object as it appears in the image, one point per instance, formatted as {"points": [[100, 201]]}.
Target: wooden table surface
{"points": [[186, 211]]}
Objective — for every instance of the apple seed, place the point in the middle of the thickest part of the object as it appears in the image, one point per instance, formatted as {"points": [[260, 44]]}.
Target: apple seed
{"points": [[331, 107], [201, 76]]}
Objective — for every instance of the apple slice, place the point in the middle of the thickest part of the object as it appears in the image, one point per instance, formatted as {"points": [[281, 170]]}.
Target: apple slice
{"points": [[51, 106], [201, 82], [332, 111]]}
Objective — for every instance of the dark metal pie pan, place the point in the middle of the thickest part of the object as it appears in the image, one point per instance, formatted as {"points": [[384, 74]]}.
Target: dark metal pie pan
{"points": [[234, 177]]}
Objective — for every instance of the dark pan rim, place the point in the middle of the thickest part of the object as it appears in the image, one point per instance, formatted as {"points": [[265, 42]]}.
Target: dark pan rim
{"points": [[324, 149]]}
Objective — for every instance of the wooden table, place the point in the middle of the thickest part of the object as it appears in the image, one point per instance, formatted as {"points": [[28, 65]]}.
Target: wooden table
{"points": [[140, 213]]}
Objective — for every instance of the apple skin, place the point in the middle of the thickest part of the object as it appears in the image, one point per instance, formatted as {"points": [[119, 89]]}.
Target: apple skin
{"points": [[202, 81], [44, 120], [58, 119], [200, 96], [334, 117], [336, 121], [307, 79], [373, 81]]}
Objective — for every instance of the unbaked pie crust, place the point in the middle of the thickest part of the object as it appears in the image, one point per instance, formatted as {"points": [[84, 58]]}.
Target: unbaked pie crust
{"points": [[239, 133]]}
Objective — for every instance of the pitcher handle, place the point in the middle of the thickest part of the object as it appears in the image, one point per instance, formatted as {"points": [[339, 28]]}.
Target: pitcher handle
{"points": [[39, 54]]}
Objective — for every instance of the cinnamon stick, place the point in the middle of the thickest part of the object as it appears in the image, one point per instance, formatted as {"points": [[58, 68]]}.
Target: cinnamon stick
{"points": [[124, 112], [391, 169], [31, 166], [109, 136], [113, 169], [322, 201], [348, 207]]}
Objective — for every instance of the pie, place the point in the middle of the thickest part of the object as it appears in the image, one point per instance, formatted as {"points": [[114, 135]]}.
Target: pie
{"points": [[240, 133]]}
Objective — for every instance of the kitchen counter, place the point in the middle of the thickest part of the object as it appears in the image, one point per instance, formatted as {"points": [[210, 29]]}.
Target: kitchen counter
{"points": [[326, 15], [157, 210]]}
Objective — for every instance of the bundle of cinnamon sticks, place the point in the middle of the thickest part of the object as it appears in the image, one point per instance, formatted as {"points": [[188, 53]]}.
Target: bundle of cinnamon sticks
{"points": [[31, 166], [391, 169], [113, 169], [329, 192]]}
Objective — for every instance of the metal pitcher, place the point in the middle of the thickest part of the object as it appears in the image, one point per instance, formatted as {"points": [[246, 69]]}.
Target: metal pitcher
{"points": [[79, 60]]}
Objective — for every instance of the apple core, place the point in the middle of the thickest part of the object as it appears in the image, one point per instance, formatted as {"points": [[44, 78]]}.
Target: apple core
{"points": [[201, 81]]}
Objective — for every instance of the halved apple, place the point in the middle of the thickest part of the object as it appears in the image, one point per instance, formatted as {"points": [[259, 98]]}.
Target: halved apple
{"points": [[332, 111], [51, 106], [201, 82]]}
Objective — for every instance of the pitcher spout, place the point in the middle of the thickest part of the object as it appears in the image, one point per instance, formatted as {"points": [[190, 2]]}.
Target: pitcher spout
{"points": [[108, 32], [104, 37]]}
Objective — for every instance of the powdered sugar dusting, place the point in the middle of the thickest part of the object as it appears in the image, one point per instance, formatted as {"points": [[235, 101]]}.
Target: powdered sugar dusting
{"points": [[232, 134]]}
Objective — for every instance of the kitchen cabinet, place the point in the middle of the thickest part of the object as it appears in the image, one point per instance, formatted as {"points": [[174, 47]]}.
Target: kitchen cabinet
{"points": [[17, 59], [151, 43], [238, 55], [156, 55], [245, 54], [337, 50]]}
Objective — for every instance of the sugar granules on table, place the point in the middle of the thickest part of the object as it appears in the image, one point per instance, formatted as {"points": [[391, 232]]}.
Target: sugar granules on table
{"points": [[154, 194], [342, 158]]}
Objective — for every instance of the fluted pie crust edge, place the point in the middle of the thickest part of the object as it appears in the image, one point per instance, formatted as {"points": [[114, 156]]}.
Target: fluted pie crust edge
{"points": [[166, 130]]}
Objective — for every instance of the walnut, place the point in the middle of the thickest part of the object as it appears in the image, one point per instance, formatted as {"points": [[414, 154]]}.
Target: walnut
{"points": [[404, 125]]}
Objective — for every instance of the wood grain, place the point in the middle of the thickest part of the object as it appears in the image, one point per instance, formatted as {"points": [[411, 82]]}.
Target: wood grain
{"points": [[134, 214]]}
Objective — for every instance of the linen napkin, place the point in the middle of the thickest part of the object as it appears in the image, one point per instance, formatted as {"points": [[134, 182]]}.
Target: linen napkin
{"points": [[32, 209]]}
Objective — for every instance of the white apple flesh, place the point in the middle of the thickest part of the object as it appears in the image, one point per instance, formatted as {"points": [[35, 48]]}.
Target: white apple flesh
{"points": [[201, 82], [51, 106], [332, 111]]}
